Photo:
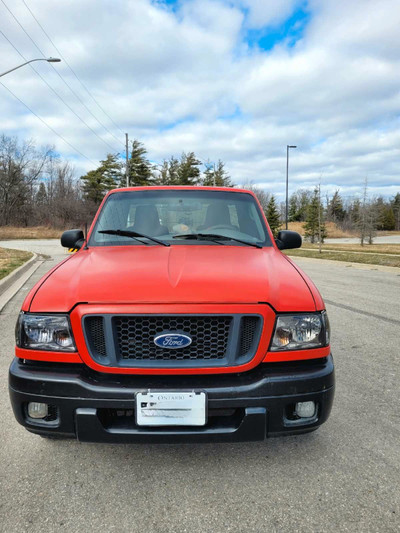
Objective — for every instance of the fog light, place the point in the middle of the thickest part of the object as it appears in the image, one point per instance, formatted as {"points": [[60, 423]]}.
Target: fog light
{"points": [[305, 409], [37, 410]]}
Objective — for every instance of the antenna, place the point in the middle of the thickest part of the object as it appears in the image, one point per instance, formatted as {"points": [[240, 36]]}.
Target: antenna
{"points": [[86, 242]]}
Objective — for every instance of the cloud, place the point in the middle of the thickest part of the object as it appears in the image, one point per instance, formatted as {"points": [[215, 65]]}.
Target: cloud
{"points": [[262, 13], [183, 76]]}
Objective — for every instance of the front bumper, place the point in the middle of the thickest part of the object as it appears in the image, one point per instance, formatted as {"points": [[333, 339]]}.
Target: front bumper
{"points": [[95, 407]]}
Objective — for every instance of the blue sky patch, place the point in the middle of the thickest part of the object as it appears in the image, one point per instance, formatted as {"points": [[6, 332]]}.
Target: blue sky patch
{"points": [[172, 5], [289, 32]]}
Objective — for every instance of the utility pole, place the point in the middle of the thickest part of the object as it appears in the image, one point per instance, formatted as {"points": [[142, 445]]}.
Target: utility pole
{"points": [[214, 176], [319, 217], [287, 184], [127, 160], [364, 208]]}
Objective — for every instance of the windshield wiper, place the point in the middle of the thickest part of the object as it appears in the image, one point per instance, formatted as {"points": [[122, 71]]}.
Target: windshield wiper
{"points": [[214, 236], [133, 235]]}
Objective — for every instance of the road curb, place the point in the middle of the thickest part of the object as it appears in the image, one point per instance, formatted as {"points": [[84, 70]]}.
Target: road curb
{"points": [[15, 274], [12, 283]]}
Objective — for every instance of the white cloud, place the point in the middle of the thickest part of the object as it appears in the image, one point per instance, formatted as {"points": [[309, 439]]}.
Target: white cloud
{"points": [[267, 12], [176, 79]]}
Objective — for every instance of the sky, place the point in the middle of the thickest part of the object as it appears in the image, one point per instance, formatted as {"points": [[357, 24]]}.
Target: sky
{"points": [[236, 80]]}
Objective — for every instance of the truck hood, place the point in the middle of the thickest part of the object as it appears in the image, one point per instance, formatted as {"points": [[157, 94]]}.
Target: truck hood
{"points": [[176, 274]]}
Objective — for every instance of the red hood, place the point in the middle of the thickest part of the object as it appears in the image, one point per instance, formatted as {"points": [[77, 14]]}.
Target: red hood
{"points": [[177, 274]]}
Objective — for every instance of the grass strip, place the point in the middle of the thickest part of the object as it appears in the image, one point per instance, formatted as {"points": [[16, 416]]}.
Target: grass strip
{"points": [[392, 249], [366, 258], [12, 259]]}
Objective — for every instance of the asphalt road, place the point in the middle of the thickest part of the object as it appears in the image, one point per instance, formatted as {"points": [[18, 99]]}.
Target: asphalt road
{"points": [[344, 477]]}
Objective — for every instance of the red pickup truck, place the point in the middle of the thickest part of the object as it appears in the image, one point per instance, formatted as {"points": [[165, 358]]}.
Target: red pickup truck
{"points": [[178, 319]]}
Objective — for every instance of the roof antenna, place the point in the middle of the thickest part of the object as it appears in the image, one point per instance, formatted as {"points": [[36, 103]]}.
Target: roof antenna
{"points": [[86, 242]]}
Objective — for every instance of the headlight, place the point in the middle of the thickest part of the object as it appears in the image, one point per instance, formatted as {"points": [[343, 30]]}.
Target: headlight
{"points": [[298, 332], [44, 332]]}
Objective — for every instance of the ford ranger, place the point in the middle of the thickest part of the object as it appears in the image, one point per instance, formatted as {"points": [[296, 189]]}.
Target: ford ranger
{"points": [[178, 319]]}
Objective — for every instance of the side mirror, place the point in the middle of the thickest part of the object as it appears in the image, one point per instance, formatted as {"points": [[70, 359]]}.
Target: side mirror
{"points": [[288, 239], [72, 238]]}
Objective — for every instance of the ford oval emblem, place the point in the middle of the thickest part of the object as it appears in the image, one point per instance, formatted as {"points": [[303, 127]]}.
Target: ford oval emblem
{"points": [[172, 340]]}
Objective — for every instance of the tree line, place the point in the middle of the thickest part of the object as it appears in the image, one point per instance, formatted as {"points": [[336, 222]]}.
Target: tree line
{"points": [[363, 216], [38, 188], [185, 170]]}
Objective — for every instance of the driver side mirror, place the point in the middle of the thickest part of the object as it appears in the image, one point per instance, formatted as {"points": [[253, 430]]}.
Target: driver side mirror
{"points": [[288, 239], [72, 238]]}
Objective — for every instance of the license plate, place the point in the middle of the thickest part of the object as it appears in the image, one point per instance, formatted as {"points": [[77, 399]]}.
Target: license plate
{"points": [[170, 408]]}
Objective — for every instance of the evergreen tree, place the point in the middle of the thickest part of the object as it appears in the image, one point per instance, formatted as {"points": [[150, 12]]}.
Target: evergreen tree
{"points": [[140, 169], [188, 172], [113, 170], [293, 214], [168, 172], [315, 221], [41, 195], [217, 176], [387, 220], [355, 212], [96, 183], [336, 212], [304, 199], [273, 216], [396, 210]]}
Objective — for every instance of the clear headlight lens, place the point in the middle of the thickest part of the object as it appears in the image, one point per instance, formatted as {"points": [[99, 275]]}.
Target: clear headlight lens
{"points": [[297, 332], [44, 332]]}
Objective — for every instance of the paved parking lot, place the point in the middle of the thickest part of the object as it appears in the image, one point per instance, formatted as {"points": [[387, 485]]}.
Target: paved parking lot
{"points": [[344, 477]]}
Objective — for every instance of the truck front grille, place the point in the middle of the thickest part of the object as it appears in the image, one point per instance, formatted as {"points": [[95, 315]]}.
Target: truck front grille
{"points": [[95, 334], [209, 336], [128, 340]]}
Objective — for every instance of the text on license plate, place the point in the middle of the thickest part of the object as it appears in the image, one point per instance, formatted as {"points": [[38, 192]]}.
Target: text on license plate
{"points": [[170, 408]]}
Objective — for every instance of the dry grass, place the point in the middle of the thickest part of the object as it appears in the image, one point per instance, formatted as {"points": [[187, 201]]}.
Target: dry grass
{"points": [[349, 256], [386, 233], [333, 232], [393, 249], [36, 232], [12, 259]]}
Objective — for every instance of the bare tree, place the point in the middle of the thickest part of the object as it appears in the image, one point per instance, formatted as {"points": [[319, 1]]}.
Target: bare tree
{"points": [[20, 167], [262, 196]]}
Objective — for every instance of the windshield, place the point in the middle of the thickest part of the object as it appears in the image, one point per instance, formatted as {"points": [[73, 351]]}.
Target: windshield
{"points": [[164, 214]]}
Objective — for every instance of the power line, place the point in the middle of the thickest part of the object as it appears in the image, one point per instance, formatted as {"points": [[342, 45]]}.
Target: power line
{"points": [[45, 81], [47, 125], [73, 92], [71, 69], [58, 96]]}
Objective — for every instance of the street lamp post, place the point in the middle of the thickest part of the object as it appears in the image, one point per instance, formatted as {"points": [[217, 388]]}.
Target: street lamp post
{"points": [[288, 146], [48, 59]]}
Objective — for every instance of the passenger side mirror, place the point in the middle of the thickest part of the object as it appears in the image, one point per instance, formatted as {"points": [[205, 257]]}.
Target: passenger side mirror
{"points": [[288, 239], [72, 238]]}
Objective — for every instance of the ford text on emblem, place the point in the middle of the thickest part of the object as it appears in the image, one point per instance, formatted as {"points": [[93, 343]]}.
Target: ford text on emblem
{"points": [[172, 340]]}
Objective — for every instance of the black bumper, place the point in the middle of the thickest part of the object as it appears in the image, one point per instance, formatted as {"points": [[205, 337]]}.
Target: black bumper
{"points": [[94, 407]]}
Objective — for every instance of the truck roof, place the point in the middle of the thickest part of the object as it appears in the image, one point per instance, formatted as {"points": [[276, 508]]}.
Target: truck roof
{"points": [[180, 187]]}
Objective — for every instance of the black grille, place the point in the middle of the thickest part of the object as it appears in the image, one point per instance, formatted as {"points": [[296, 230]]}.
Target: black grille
{"points": [[52, 414], [135, 337], [247, 333], [95, 333]]}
